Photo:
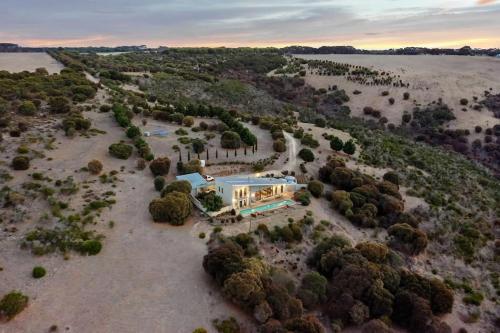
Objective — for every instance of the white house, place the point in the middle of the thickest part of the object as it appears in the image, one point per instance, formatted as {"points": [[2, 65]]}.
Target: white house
{"points": [[240, 192]]}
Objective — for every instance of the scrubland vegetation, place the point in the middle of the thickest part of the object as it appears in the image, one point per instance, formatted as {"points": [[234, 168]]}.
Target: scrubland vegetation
{"points": [[404, 267]]}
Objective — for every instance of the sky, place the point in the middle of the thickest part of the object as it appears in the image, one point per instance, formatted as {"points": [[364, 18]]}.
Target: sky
{"points": [[369, 24]]}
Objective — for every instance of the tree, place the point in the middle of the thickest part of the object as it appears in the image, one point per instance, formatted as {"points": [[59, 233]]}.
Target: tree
{"points": [[160, 166], [392, 176], [211, 201], [120, 150], [349, 147], [306, 154], [336, 144], [407, 239], [316, 188], [198, 145], [95, 167], [173, 208], [230, 140], [245, 288], [305, 324], [313, 289], [178, 186], [133, 132], [223, 261], [27, 108]]}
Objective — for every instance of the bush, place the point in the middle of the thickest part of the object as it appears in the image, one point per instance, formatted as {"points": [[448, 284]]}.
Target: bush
{"points": [[27, 108], [464, 101], [407, 239], [349, 147], [320, 122], [336, 144], [230, 140], [38, 272], [406, 96], [306, 154], [120, 150], [385, 93], [12, 304], [391, 101], [188, 121], [20, 163], [198, 146], [95, 167], [279, 146], [392, 177], [178, 186], [173, 208], [159, 183], [316, 188], [211, 201], [90, 247], [303, 197], [59, 104], [160, 166], [133, 132]]}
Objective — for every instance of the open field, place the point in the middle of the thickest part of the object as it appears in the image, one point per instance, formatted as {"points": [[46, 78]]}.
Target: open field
{"points": [[18, 62], [430, 77]]}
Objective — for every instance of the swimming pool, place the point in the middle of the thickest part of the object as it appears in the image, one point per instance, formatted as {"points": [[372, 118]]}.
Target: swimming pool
{"points": [[271, 206]]}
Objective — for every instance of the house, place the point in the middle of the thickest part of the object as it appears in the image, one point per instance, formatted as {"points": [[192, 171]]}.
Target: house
{"points": [[240, 192]]}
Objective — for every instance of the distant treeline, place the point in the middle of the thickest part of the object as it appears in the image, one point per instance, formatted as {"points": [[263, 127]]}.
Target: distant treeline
{"points": [[464, 51]]}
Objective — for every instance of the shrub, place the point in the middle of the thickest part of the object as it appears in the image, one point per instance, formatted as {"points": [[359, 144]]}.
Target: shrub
{"points": [[406, 96], [188, 121], [211, 201], [464, 101], [392, 177], [90, 247], [320, 122], [95, 167], [38, 272], [120, 150], [313, 289], [59, 104], [12, 304], [178, 186], [279, 146], [316, 188], [306, 154], [27, 108], [407, 239], [336, 144], [20, 163], [159, 183], [173, 208], [133, 132], [391, 101], [160, 166], [303, 197], [385, 93], [230, 140], [349, 147], [223, 261]]}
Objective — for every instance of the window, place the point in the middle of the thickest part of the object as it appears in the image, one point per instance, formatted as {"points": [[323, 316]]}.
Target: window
{"points": [[281, 188], [241, 193], [236, 193]]}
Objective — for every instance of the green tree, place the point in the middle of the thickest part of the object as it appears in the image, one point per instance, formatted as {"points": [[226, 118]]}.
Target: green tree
{"points": [[349, 147], [306, 154], [27, 108], [336, 144]]}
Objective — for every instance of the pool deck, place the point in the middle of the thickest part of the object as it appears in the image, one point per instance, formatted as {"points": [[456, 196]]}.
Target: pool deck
{"points": [[268, 207]]}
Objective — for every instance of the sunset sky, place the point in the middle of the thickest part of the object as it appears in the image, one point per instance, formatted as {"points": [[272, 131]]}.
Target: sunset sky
{"points": [[361, 23]]}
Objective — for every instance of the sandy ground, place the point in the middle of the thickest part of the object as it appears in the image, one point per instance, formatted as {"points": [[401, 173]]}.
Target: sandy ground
{"points": [[148, 278], [18, 62], [430, 77]]}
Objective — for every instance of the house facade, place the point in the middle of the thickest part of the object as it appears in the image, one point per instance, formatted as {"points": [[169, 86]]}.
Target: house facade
{"points": [[240, 192]]}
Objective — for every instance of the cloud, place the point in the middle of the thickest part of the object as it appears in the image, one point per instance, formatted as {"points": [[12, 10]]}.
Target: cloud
{"points": [[387, 23]]}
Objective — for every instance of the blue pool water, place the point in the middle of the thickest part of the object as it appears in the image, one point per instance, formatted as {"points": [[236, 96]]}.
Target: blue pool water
{"points": [[263, 208]]}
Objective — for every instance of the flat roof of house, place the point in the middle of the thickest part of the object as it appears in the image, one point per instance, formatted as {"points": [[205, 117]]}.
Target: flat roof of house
{"points": [[195, 179], [254, 181]]}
